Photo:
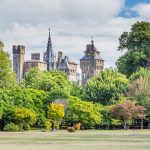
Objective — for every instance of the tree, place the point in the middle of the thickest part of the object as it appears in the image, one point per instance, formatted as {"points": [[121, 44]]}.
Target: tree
{"points": [[7, 77], [53, 82], [76, 90], [127, 111], [137, 44], [23, 117], [105, 88], [55, 114], [32, 99], [1, 45], [86, 113], [139, 90], [142, 72]]}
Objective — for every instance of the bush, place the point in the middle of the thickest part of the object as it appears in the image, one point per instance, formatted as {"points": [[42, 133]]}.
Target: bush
{"points": [[11, 127], [26, 127], [71, 129], [48, 125]]}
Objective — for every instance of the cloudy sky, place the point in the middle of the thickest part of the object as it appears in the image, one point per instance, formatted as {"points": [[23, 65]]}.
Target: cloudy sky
{"points": [[72, 23]]}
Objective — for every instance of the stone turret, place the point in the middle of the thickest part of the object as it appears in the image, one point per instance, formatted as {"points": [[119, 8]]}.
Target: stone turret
{"points": [[91, 63], [18, 61]]}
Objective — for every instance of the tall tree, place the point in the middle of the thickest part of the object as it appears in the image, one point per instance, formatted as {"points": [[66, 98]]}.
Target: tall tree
{"points": [[7, 77], [106, 88], [139, 90], [137, 44]]}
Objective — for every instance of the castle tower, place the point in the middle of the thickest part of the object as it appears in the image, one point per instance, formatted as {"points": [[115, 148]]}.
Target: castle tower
{"points": [[91, 63], [49, 57], [18, 61]]}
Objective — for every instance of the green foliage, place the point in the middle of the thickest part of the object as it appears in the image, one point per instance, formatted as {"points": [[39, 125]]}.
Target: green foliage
{"points": [[55, 94], [23, 117], [87, 113], [11, 127], [1, 45], [105, 88], [137, 44], [54, 82], [33, 99], [106, 120], [7, 77], [139, 90], [76, 90], [115, 122], [48, 125], [142, 72]]}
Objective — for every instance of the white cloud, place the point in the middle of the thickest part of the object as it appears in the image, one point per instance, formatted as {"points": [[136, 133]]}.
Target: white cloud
{"points": [[143, 10], [55, 11], [72, 23]]}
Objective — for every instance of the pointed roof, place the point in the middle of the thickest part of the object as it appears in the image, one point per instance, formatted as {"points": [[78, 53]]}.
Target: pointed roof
{"points": [[49, 43], [64, 64], [89, 48]]}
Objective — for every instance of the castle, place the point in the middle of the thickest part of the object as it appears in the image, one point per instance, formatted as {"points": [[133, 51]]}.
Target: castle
{"points": [[91, 63]]}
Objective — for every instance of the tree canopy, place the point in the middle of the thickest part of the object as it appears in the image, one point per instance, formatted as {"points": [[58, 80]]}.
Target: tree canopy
{"points": [[137, 46], [7, 77], [53, 82], [127, 111], [86, 113], [105, 88]]}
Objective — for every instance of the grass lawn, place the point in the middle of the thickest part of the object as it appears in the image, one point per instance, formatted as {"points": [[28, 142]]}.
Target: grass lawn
{"points": [[81, 140]]}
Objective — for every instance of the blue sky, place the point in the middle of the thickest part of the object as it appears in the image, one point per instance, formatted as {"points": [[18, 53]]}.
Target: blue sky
{"points": [[72, 24], [128, 4]]}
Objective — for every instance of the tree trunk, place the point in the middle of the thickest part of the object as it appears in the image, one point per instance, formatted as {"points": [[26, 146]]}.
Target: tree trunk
{"points": [[149, 125], [141, 124], [125, 125]]}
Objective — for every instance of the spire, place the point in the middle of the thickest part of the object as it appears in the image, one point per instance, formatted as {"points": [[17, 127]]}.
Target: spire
{"points": [[92, 41], [49, 44], [49, 54]]}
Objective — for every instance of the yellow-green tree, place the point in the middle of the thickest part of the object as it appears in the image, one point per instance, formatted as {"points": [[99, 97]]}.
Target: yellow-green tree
{"points": [[24, 117], [86, 113], [55, 114]]}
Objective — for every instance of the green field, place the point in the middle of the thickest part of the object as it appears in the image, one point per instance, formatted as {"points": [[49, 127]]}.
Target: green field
{"points": [[81, 140]]}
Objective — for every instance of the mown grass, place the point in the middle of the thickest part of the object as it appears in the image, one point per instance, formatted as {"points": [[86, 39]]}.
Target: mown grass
{"points": [[81, 140]]}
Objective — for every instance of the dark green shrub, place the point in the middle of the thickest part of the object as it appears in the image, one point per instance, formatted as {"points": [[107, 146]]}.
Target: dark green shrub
{"points": [[26, 127], [11, 127]]}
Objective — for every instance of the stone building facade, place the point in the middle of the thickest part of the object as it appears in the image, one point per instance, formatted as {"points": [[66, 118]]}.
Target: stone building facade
{"points": [[21, 66], [67, 66], [91, 63]]}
